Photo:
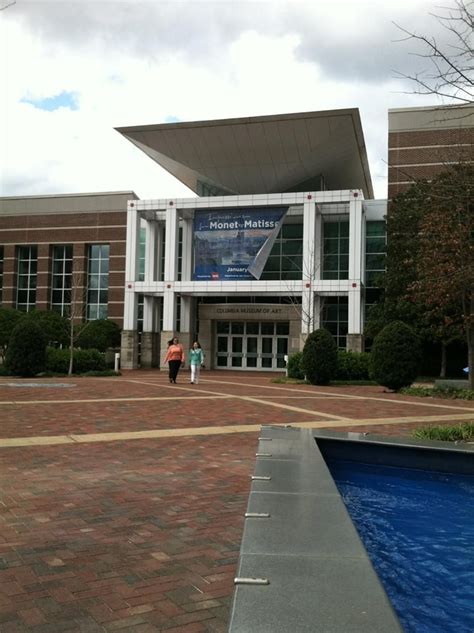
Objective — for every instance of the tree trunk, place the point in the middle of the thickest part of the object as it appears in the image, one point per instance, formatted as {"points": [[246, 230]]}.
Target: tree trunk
{"points": [[444, 360]]}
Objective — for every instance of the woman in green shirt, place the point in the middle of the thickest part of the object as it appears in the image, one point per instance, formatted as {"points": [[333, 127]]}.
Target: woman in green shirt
{"points": [[196, 360]]}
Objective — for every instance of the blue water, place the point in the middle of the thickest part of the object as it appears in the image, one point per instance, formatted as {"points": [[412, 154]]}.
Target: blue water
{"points": [[418, 528]]}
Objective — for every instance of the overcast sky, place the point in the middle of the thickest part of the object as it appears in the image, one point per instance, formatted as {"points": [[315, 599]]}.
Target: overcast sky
{"points": [[72, 71]]}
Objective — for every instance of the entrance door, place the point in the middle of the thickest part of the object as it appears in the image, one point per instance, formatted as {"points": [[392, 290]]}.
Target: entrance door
{"points": [[251, 345]]}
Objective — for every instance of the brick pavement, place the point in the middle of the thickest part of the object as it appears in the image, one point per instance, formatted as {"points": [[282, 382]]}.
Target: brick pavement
{"points": [[143, 535]]}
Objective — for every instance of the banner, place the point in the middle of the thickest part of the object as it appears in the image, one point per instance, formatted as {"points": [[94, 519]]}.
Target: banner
{"points": [[234, 243]]}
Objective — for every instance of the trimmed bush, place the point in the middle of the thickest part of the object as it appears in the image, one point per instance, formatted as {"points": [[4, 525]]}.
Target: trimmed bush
{"points": [[9, 319], [395, 356], [26, 353], [294, 366], [352, 365], [55, 327], [84, 360], [100, 334], [319, 359]]}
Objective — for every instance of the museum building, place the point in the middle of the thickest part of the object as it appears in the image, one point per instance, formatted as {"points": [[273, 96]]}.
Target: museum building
{"points": [[283, 236]]}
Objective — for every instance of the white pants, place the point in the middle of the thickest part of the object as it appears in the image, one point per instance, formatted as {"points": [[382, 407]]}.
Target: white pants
{"points": [[195, 373]]}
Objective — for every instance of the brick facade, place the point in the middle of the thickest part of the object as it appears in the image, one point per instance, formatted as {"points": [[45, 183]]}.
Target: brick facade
{"points": [[80, 221], [423, 142]]}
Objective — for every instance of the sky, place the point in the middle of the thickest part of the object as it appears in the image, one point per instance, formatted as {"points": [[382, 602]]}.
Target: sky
{"points": [[70, 72]]}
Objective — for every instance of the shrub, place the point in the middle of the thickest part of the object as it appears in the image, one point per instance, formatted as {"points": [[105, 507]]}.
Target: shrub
{"points": [[294, 366], [395, 356], [26, 353], [319, 358], [55, 327], [100, 334], [352, 365], [9, 319], [85, 360], [460, 432]]}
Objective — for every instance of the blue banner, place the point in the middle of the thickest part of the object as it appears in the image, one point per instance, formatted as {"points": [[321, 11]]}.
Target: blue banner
{"points": [[234, 243]]}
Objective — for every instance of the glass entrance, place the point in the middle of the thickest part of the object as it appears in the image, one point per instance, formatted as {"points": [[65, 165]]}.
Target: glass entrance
{"points": [[251, 345]]}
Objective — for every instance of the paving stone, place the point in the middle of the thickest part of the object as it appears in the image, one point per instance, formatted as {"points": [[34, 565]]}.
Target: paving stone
{"points": [[144, 535]]}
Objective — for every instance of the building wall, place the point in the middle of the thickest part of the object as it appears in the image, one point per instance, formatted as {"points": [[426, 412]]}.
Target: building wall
{"points": [[76, 220], [423, 142]]}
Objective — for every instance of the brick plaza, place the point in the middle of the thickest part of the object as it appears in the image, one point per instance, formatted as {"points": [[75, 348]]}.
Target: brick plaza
{"points": [[123, 498]]}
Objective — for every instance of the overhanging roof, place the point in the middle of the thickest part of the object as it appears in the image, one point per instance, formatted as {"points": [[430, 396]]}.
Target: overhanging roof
{"points": [[265, 154]]}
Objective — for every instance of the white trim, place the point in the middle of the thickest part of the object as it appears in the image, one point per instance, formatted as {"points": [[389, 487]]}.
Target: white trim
{"points": [[397, 149], [66, 228], [448, 162]]}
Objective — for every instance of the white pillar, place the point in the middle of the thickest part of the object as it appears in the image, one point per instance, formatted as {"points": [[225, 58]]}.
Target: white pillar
{"points": [[131, 267], [149, 313], [187, 250], [355, 264], [151, 251], [169, 310], [171, 243], [309, 266], [355, 238]]}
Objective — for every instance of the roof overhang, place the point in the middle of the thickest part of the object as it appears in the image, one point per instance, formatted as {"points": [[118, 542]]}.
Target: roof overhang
{"points": [[265, 154]]}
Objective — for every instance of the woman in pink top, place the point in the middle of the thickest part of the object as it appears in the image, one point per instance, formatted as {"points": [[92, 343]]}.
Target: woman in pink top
{"points": [[174, 358]]}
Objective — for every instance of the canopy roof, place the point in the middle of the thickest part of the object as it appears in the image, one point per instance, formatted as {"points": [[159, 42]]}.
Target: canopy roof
{"points": [[264, 154]]}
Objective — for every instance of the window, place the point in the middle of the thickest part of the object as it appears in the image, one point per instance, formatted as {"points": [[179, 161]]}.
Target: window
{"points": [[335, 315], [1, 273], [335, 249], [27, 266], [286, 257], [375, 249], [141, 254], [98, 281], [61, 279]]}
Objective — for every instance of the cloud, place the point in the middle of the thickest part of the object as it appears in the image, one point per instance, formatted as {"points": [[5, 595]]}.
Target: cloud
{"points": [[152, 62]]}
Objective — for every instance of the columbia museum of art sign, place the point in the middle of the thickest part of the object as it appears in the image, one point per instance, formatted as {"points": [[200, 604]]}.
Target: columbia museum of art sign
{"points": [[248, 312], [234, 244]]}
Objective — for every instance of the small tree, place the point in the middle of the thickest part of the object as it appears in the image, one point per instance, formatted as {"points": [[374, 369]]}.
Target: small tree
{"points": [[395, 356], [319, 360], [26, 353]]}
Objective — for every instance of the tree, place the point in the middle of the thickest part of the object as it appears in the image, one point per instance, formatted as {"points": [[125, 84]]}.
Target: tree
{"points": [[395, 356], [8, 321], [26, 353], [445, 261], [450, 69], [402, 298]]}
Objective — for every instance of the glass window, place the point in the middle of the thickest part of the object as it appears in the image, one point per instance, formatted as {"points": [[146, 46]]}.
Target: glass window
{"points": [[335, 249], [61, 279], [27, 261], [223, 327], [375, 249], [252, 328], [141, 254], [335, 318], [237, 327], [98, 282], [286, 257]]}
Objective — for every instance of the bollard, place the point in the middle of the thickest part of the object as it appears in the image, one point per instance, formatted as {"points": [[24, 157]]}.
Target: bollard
{"points": [[117, 362]]}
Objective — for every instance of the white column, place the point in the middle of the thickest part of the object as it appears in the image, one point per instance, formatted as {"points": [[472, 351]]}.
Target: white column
{"points": [[148, 313], [355, 263], [131, 267], [171, 244], [187, 250], [355, 238], [355, 311], [169, 310], [132, 246], [151, 251], [309, 267]]}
